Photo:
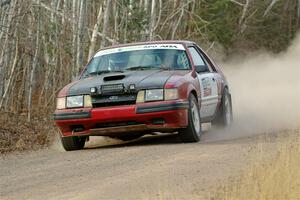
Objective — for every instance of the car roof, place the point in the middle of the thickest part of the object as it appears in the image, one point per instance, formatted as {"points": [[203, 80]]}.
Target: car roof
{"points": [[183, 42]]}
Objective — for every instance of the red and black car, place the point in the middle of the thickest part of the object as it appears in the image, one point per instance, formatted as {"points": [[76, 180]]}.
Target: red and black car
{"points": [[130, 90]]}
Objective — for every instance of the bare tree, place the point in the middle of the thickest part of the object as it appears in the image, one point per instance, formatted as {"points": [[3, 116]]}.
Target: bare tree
{"points": [[152, 20], [242, 20], [74, 40], [12, 74], [175, 27], [81, 20], [94, 34], [34, 64], [298, 11], [105, 22], [269, 8]]}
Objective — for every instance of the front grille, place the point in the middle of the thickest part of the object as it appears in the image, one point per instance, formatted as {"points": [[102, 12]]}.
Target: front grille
{"points": [[116, 124], [98, 105], [112, 89], [113, 100]]}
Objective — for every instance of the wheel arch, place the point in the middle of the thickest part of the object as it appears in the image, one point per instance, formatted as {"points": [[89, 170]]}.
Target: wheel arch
{"points": [[193, 92], [191, 89]]}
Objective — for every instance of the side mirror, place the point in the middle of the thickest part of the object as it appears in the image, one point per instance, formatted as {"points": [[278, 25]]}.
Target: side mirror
{"points": [[201, 68]]}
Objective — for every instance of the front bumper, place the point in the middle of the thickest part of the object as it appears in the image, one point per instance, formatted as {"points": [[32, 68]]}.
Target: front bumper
{"points": [[113, 121]]}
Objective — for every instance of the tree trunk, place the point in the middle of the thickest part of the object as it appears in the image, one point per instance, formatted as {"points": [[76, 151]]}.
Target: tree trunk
{"points": [[34, 64], [152, 20], [12, 73], [175, 27], [116, 19], [242, 22], [105, 23], [159, 15], [146, 4], [270, 7], [5, 46], [3, 24], [298, 11], [94, 34], [80, 47], [74, 40]]}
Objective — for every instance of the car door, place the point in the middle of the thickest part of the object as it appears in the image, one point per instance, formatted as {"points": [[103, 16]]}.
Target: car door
{"points": [[208, 84]]}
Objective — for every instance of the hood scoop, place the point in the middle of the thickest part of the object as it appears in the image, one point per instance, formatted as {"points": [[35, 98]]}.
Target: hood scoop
{"points": [[114, 78]]}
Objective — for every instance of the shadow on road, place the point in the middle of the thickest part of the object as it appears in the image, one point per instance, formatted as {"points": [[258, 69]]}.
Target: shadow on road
{"points": [[159, 139], [210, 136], [102, 143]]}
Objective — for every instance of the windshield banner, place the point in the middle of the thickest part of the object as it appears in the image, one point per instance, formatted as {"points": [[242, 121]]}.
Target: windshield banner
{"points": [[140, 47]]}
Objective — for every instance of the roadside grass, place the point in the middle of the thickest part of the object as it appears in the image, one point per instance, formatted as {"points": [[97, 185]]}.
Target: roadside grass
{"points": [[275, 179], [18, 135]]}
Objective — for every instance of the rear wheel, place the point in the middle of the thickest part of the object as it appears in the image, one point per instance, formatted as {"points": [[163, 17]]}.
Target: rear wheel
{"points": [[73, 143], [224, 117], [193, 131]]}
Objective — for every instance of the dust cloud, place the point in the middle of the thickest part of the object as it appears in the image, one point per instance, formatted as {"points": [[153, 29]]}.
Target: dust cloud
{"points": [[265, 89]]}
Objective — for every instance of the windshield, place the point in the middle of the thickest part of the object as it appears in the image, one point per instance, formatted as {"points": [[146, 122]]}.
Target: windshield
{"points": [[145, 59]]}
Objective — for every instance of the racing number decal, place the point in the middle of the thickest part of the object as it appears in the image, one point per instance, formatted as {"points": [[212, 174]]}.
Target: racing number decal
{"points": [[207, 91]]}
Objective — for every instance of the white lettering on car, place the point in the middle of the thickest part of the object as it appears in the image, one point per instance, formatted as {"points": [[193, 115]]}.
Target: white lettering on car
{"points": [[140, 47]]}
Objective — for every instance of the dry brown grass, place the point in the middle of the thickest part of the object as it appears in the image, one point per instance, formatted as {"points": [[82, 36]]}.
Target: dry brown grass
{"points": [[18, 135], [276, 179]]}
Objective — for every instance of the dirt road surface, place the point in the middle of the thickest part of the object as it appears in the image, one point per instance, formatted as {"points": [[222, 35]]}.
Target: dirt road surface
{"points": [[155, 167]]}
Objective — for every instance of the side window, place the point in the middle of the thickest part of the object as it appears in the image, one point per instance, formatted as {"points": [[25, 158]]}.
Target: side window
{"points": [[208, 62], [183, 61], [200, 64], [197, 59]]}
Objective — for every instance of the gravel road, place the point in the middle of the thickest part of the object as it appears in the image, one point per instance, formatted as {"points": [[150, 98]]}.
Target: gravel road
{"points": [[154, 167]]}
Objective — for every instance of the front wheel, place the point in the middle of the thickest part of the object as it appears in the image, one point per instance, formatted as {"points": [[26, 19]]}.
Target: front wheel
{"points": [[73, 143], [193, 131]]}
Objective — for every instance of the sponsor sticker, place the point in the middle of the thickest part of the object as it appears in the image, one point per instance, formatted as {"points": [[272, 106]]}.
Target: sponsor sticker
{"points": [[207, 91], [140, 47]]}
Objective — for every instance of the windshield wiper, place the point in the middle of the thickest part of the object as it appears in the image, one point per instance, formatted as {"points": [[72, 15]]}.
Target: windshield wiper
{"points": [[143, 67]]}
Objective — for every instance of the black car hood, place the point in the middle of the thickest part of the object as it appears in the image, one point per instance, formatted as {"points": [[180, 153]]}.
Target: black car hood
{"points": [[146, 79]]}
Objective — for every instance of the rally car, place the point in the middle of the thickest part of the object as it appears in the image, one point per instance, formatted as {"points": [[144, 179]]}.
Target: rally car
{"points": [[130, 90]]}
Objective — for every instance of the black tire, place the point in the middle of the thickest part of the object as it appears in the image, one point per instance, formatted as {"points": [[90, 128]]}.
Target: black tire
{"points": [[73, 143], [224, 116], [129, 137], [193, 131]]}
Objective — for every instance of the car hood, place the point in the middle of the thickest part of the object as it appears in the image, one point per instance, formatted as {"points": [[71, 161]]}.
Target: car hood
{"points": [[146, 79]]}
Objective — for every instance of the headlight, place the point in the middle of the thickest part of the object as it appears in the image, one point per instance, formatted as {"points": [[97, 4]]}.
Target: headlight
{"points": [[61, 103], [157, 95], [171, 94], [154, 95], [74, 101]]}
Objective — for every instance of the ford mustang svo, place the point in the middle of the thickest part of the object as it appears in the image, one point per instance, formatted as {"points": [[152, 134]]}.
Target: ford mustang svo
{"points": [[130, 90]]}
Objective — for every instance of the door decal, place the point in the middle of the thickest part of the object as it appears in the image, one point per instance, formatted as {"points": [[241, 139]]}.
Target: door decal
{"points": [[206, 87], [209, 94]]}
